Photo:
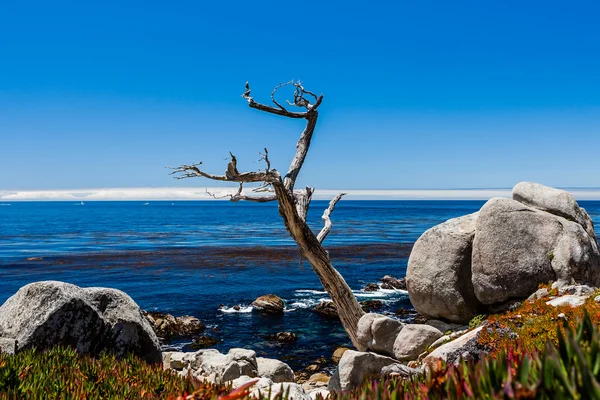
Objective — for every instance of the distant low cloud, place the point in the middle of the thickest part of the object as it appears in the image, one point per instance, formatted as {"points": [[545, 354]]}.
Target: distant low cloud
{"points": [[146, 194]]}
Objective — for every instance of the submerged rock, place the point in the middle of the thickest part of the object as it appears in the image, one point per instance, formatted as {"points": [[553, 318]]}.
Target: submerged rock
{"points": [[45, 314], [283, 337], [269, 303]]}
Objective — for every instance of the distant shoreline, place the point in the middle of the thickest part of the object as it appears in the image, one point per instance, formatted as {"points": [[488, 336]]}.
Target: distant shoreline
{"points": [[200, 194]]}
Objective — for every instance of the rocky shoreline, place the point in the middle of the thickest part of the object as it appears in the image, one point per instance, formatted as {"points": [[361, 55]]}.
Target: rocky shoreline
{"points": [[467, 267]]}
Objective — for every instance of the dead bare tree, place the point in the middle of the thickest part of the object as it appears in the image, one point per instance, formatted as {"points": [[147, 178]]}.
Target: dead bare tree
{"points": [[293, 204]]}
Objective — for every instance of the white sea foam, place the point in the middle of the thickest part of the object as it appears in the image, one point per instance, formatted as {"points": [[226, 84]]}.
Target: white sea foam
{"points": [[308, 292], [241, 310]]}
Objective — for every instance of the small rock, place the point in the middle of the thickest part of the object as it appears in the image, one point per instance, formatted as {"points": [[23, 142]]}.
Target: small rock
{"points": [[283, 337], [35, 259], [540, 293], [203, 341], [275, 370], [269, 304], [419, 319], [371, 287], [188, 325], [369, 305], [318, 380], [389, 282], [236, 308], [313, 368], [577, 290], [571, 300], [413, 340], [338, 353], [377, 333], [327, 309], [404, 311], [168, 327]]}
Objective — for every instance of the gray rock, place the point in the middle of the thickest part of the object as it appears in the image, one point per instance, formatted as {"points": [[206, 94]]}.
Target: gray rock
{"points": [[438, 277], [8, 346], [447, 352], [517, 247], [50, 313], [568, 300], [275, 370], [354, 367], [538, 294], [577, 290], [377, 333], [389, 282], [554, 201], [414, 340], [211, 365]]}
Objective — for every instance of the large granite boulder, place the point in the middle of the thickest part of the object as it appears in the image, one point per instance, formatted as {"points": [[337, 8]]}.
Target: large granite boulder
{"points": [[438, 277], [481, 262], [50, 313], [518, 247], [376, 332]]}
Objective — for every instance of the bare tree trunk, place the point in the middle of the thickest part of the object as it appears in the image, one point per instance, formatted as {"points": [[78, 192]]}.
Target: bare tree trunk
{"points": [[293, 205]]}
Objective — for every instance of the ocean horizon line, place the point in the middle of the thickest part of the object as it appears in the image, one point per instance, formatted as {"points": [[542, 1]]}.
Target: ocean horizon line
{"points": [[204, 193]]}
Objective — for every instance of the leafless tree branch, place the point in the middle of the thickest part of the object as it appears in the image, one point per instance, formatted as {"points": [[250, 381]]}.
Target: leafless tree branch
{"points": [[327, 217]]}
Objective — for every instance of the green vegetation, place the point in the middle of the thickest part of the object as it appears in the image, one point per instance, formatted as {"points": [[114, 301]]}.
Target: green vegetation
{"points": [[476, 321], [63, 373]]}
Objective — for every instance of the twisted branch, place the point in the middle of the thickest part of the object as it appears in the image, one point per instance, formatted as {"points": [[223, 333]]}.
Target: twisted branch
{"points": [[326, 217]]}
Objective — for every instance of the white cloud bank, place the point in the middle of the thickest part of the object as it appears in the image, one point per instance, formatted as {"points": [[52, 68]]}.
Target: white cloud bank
{"points": [[147, 194]]}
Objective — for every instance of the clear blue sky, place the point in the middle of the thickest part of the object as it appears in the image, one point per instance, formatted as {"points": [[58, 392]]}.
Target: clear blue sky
{"points": [[419, 94]]}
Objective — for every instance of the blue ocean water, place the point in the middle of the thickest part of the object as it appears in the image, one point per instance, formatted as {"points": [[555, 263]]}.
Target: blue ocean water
{"points": [[202, 258]]}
